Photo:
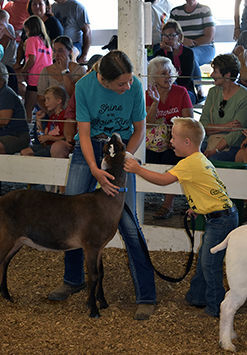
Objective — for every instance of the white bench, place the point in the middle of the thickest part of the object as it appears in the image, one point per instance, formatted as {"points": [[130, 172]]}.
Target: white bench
{"points": [[234, 179], [52, 171], [34, 170]]}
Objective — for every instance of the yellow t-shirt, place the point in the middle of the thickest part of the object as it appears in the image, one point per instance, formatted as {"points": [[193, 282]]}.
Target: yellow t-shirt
{"points": [[202, 186]]}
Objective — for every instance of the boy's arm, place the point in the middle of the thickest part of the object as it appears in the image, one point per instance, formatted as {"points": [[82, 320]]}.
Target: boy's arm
{"points": [[131, 166]]}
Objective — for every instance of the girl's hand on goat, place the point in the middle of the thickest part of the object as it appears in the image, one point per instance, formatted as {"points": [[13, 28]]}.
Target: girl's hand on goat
{"points": [[131, 166], [103, 177]]}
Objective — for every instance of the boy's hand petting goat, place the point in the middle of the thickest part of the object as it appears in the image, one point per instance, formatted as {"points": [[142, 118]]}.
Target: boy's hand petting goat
{"points": [[87, 221]]}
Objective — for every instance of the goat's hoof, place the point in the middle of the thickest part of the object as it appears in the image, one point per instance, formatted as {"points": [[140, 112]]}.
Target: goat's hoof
{"points": [[94, 315], [9, 299], [7, 296], [228, 346], [103, 305]]}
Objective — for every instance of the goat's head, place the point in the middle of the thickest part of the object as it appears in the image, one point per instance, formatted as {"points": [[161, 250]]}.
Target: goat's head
{"points": [[114, 152]]}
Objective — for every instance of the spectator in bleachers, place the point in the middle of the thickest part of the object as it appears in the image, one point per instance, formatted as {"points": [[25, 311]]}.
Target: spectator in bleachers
{"points": [[237, 27], [17, 10], [38, 54], [62, 72], [55, 97], [60, 149], [198, 28], [74, 18], [241, 53], [164, 100], [182, 57], [54, 28], [160, 14], [242, 40], [14, 134], [42, 8], [12, 82], [7, 39], [225, 110], [240, 50]]}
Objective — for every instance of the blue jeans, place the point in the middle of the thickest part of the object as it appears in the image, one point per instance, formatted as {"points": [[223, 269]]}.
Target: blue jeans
{"points": [[80, 180], [228, 155], [206, 287], [203, 55], [225, 156], [244, 20]]}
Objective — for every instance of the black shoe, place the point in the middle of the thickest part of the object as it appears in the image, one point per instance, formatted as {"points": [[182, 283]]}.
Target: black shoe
{"points": [[144, 311]]}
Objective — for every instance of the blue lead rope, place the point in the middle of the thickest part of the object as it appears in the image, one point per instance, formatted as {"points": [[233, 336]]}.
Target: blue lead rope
{"points": [[122, 189]]}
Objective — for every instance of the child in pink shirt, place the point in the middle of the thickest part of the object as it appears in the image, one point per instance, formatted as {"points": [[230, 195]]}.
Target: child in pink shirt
{"points": [[38, 54]]}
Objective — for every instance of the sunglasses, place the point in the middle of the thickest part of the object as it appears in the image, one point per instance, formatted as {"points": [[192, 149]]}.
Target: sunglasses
{"points": [[221, 108], [171, 36]]}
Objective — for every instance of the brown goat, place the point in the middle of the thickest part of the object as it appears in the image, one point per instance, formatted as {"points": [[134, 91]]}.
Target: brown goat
{"points": [[48, 221]]}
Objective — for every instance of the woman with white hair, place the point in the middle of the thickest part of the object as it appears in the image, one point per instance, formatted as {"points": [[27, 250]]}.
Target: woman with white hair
{"points": [[164, 100]]}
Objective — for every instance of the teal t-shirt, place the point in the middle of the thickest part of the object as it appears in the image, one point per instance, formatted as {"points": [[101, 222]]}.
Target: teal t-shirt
{"points": [[107, 111]]}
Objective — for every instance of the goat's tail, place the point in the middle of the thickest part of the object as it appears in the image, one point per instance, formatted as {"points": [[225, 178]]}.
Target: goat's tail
{"points": [[220, 246]]}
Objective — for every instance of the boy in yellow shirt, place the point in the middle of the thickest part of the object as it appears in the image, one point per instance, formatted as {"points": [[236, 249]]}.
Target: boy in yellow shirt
{"points": [[206, 194]]}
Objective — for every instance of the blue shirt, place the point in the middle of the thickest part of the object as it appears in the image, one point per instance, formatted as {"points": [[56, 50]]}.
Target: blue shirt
{"points": [[107, 111], [73, 16], [10, 101]]}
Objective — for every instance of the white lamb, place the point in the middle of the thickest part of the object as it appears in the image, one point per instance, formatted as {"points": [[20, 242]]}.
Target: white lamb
{"points": [[236, 270]]}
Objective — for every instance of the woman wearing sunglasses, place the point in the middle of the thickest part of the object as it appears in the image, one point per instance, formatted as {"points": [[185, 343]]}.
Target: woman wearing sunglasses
{"points": [[225, 110]]}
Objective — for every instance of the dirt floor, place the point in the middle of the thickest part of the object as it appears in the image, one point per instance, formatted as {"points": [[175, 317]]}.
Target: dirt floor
{"points": [[35, 325]]}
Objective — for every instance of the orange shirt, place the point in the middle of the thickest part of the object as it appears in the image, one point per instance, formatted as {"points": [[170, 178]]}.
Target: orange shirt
{"points": [[18, 13]]}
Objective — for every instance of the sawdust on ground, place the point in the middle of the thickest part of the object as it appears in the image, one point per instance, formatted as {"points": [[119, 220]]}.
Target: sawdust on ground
{"points": [[34, 325]]}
